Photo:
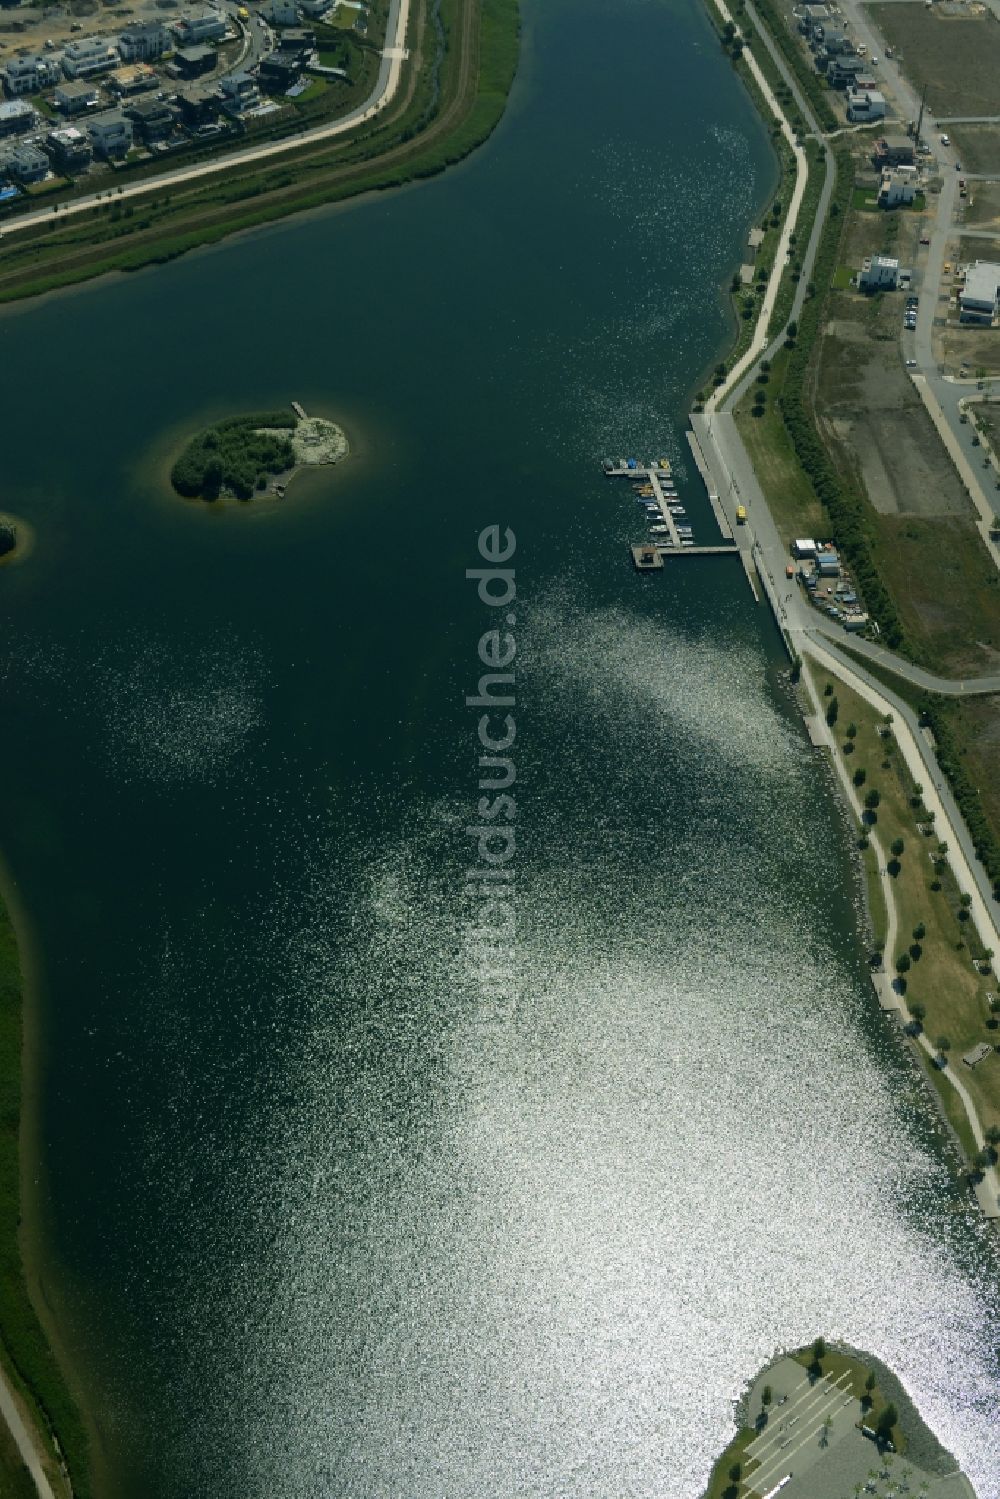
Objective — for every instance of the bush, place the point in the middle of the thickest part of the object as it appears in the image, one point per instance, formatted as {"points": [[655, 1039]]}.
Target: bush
{"points": [[234, 455]]}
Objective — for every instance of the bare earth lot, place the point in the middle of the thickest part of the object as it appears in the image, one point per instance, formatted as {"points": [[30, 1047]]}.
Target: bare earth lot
{"points": [[979, 150], [876, 422], [957, 57], [984, 212]]}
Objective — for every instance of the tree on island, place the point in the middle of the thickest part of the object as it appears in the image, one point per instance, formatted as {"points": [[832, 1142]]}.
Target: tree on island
{"points": [[897, 846], [233, 454], [886, 1421], [8, 538]]}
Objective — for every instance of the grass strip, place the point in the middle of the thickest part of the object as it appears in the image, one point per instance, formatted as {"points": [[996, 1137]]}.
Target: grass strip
{"points": [[24, 1348]]}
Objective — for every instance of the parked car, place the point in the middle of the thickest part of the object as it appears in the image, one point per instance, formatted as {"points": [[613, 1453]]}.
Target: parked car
{"points": [[911, 364], [946, 140], [925, 239]]}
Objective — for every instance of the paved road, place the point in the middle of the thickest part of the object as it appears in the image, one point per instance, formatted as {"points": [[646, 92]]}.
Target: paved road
{"points": [[386, 86], [927, 681], [25, 1446]]}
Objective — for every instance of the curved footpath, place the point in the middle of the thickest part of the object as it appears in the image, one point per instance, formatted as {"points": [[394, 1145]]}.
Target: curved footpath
{"points": [[889, 661], [390, 71], [25, 1446], [758, 342]]}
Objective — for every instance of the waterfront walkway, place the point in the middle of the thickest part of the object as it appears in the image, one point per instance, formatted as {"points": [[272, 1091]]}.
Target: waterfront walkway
{"points": [[11, 1414]]}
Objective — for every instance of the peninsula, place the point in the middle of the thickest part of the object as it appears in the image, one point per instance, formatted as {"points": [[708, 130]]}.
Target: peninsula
{"points": [[256, 454], [826, 1421]]}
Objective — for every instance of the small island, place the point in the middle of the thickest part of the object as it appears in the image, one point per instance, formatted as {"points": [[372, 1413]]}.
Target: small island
{"points": [[827, 1423], [17, 539], [256, 454]]}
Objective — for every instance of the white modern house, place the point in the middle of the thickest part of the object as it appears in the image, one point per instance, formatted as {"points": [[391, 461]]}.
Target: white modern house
{"points": [[29, 75], [897, 188], [206, 26], [16, 117], [89, 56], [979, 299], [75, 97], [110, 134], [865, 104], [239, 93], [879, 273], [143, 43]]}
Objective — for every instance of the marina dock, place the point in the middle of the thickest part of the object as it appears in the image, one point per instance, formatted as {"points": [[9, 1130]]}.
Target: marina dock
{"points": [[658, 478], [299, 411]]}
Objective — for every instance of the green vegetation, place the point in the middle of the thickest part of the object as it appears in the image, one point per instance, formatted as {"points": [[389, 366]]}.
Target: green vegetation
{"points": [[8, 538], [24, 1349], [234, 455], [939, 953]]}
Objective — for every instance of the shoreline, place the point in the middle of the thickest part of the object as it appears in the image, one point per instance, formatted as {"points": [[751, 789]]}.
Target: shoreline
{"points": [[469, 104], [65, 1452]]}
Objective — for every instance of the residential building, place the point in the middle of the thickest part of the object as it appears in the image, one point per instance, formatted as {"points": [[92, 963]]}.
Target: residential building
{"points": [[828, 562], [843, 70], [283, 13], [239, 93], [89, 56], [879, 273], [136, 78], [863, 106], [16, 117], [836, 42], [29, 75], [315, 8], [151, 119], [197, 106], [192, 62], [894, 151], [297, 39], [865, 82], [143, 43], [111, 134], [979, 299], [69, 148], [75, 97], [27, 164], [896, 188], [206, 26], [280, 71]]}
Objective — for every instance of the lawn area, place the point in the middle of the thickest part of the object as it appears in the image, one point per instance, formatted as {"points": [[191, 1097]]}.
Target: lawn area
{"points": [[317, 87], [945, 587], [975, 725], [941, 974], [842, 277], [790, 496], [957, 57]]}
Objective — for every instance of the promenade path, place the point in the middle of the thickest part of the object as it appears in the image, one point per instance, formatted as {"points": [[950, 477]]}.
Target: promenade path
{"points": [[758, 342], [988, 1191], [11, 1414], [386, 86]]}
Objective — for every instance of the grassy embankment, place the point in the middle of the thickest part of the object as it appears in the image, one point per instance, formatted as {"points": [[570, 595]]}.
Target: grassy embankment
{"points": [[447, 106], [833, 1363], [27, 1358], [940, 950]]}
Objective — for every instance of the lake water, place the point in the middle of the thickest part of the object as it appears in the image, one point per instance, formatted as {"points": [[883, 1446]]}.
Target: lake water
{"points": [[324, 1213]]}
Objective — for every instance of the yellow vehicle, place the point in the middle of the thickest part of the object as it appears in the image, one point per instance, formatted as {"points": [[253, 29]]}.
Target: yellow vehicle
{"points": [[741, 514], [947, 267], [243, 13]]}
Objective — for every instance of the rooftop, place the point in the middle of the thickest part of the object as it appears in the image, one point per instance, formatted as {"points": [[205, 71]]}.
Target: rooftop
{"points": [[982, 282]]}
